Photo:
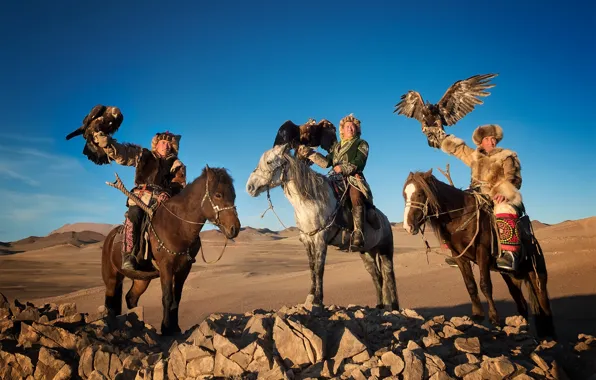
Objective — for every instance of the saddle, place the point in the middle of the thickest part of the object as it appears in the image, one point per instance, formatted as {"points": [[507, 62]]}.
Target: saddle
{"points": [[339, 185]]}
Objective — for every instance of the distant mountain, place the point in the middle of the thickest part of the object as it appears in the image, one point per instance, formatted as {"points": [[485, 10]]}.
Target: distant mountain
{"points": [[102, 228], [77, 239]]}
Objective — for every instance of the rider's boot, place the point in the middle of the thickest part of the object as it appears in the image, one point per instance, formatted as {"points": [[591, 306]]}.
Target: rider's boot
{"points": [[509, 237], [357, 235], [128, 243]]}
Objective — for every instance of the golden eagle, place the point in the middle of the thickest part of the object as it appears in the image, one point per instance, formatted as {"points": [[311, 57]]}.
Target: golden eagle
{"points": [[457, 102], [311, 133], [104, 119]]}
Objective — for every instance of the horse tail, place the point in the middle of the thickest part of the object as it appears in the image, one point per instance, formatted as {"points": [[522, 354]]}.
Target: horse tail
{"points": [[536, 281]]}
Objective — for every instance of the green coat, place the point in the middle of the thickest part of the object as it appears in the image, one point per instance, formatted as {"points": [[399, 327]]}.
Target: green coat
{"points": [[351, 158]]}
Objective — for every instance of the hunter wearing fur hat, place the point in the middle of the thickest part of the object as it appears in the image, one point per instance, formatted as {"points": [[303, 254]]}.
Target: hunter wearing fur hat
{"points": [[348, 159], [159, 175], [496, 172]]}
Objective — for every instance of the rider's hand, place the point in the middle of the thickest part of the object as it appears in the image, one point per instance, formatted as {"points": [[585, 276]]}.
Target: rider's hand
{"points": [[101, 139], [499, 198], [337, 169], [303, 151]]}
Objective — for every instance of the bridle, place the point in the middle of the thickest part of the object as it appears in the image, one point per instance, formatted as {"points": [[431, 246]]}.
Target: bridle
{"points": [[215, 207], [420, 206]]}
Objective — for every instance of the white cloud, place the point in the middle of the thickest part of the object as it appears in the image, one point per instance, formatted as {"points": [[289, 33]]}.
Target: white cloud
{"points": [[6, 172]]}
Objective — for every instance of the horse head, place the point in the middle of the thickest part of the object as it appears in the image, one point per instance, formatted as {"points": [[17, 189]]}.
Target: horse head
{"points": [[218, 203], [269, 172], [418, 199]]}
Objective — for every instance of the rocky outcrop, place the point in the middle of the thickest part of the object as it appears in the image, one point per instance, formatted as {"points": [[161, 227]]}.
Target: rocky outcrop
{"points": [[57, 342]]}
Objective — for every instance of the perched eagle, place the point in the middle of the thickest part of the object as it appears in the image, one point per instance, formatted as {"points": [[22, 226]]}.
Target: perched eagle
{"points": [[457, 102], [311, 133], [101, 118]]}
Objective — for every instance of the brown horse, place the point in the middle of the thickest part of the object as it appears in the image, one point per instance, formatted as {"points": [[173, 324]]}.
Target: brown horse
{"points": [[173, 244], [465, 222]]}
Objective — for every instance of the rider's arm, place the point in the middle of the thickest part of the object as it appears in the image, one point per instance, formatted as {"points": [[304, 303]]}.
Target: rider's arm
{"points": [[512, 170], [316, 157], [458, 148], [179, 180], [123, 154], [359, 161]]}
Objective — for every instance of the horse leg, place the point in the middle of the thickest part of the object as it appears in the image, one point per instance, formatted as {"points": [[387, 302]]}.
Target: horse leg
{"points": [[486, 284], [113, 294], [390, 300], [539, 301], [320, 255], [179, 279], [137, 288], [167, 297], [371, 267], [515, 290], [468, 276], [313, 278]]}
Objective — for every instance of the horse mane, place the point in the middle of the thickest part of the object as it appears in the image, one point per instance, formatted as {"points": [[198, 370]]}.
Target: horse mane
{"points": [[221, 176], [441, 196], [309, 184]]}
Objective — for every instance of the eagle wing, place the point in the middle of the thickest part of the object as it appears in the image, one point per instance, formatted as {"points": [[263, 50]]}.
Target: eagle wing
{"points": [[462, 96], [288, 133], [411, 105], [327, 134]]}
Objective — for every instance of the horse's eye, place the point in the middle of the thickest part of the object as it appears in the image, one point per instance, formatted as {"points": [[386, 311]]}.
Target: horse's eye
{"points": [[269, 162], [218, 195]]}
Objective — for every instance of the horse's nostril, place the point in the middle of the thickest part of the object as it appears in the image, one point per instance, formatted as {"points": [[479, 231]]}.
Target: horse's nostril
{"points": [[232, 230], [250, 187]]}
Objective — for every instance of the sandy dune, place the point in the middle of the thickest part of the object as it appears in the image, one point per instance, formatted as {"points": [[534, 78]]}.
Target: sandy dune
{"points": [[268, 269]]}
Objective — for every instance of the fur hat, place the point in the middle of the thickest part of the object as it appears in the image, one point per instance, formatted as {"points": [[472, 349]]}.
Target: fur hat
{"points": [[173, 139], [485, 131], [349, 118]]}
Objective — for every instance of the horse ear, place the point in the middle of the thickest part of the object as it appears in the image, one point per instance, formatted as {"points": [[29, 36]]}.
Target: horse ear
{"points": [[429, 173]]}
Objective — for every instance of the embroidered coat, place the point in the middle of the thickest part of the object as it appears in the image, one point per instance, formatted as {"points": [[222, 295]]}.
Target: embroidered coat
{"points": [[351, 157]]}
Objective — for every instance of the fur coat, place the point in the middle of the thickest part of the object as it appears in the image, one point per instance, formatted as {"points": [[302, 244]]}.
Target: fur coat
{"points": [[497, 172]]}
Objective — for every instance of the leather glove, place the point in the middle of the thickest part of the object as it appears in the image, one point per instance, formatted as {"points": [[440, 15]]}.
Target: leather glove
{"points": [[303, 151], [434, 135], [101, 139]]}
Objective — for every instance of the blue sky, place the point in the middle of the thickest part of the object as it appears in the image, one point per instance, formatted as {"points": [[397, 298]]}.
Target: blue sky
{"points": [[227, 74]]}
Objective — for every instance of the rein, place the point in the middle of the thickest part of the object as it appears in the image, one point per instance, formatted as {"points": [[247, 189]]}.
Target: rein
{"points": [[425, 217], [331, 218], [186, 252]]}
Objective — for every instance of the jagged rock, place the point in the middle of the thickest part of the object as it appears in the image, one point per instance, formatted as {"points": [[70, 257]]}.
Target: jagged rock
{"points": [[259, 326], [200, 366], [349, 346], [28, 314], [461, 323], [289, 345], [463, 369], [499, 366], [15, 366], [393, 361], [51, 366], [434, 364], [5, 313], [540, 362], [67, 309], [97, 375], [86, 362], [441, 375], [413, 366], [225, 367], [449, 331], [470, 345], [516, 321], [160, 370]]}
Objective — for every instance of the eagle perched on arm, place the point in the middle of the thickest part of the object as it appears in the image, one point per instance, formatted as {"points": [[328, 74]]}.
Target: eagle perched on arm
{"points": [[459, 100], [311, 134], [104, 119]]}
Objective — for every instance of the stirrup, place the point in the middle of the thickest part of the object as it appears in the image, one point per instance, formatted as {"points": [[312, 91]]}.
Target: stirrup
{"points": [[361, 245], [451, 262], [508, 261]]}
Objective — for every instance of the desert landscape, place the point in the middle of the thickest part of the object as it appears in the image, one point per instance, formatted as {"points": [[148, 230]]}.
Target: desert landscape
{"points": [[268, 270]]}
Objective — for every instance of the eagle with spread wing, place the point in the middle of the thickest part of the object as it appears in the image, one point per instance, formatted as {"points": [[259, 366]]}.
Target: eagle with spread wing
{"points": [[104, 119], [459, 100], [311, 133]]}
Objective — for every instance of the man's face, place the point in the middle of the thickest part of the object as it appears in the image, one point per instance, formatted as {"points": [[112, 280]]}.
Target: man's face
{"points": [[488, 143], [349, 130], [163, 148]]}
